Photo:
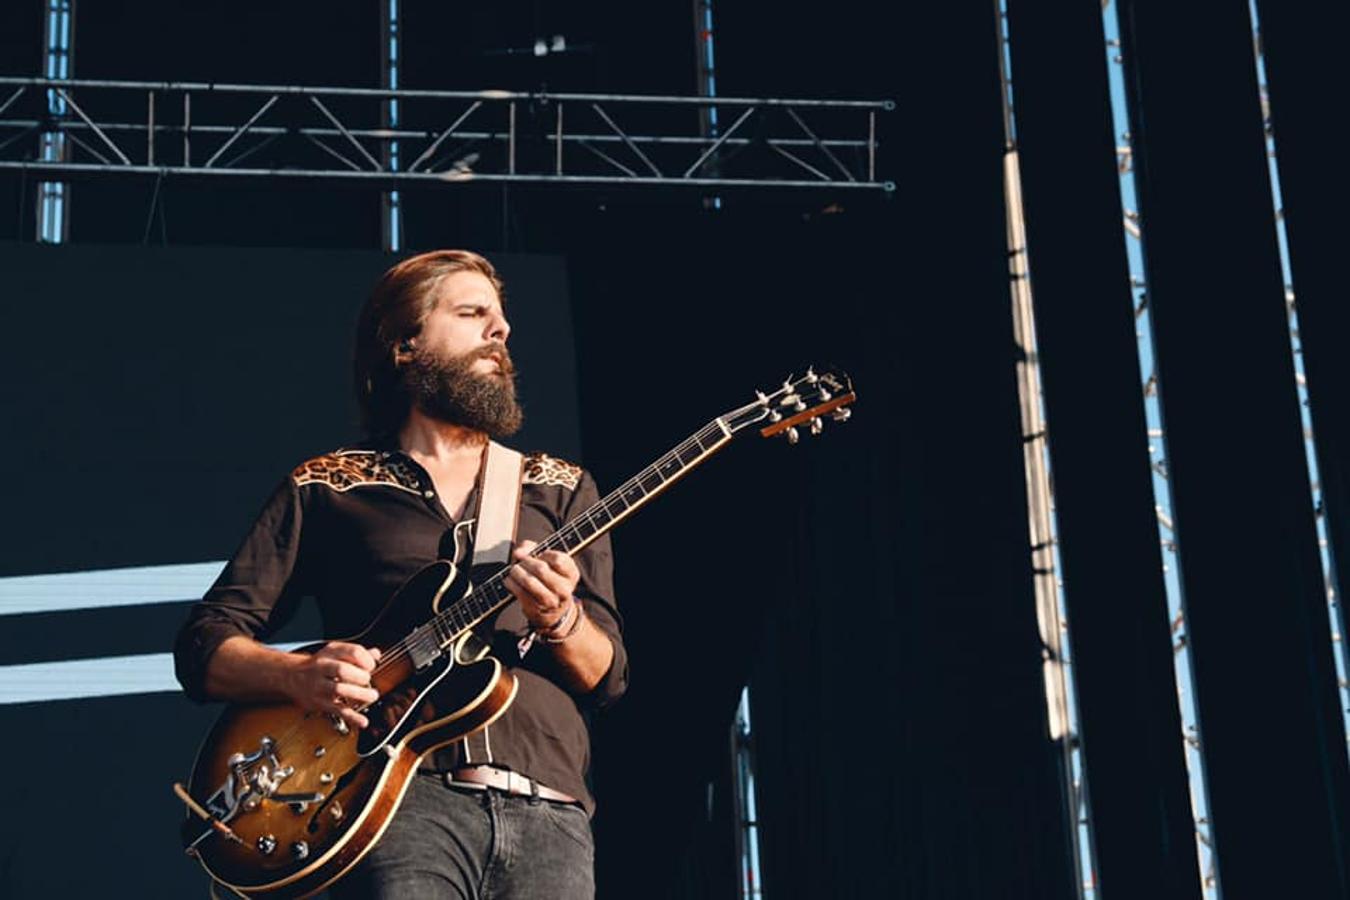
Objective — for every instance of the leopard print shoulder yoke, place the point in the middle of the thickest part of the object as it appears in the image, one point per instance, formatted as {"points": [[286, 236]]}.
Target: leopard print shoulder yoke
{"points": [[343, 470], [347, 469], [540, 468]]}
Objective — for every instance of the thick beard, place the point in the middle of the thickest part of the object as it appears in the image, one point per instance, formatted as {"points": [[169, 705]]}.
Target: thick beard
{"points": [[445, 388]]}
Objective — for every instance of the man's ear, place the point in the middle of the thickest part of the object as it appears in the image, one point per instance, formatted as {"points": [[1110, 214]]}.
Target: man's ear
{"points": [[403, 352]]}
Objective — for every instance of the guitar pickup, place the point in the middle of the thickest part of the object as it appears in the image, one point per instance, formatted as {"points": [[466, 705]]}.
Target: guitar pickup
{"points": [[424, 655]]}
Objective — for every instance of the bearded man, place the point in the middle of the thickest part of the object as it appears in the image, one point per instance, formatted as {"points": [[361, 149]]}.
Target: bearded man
{"points": [[504, 812]]}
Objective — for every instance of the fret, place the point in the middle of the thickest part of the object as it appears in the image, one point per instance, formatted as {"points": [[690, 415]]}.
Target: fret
{"points": [[688, 453], [492, 594], [497, 590]]}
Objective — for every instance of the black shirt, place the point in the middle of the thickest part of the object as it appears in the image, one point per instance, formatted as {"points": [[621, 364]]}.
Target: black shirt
{"points": [[348, 528]]}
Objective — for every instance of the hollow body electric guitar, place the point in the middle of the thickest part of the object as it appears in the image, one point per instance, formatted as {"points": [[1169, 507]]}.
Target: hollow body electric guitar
{"points": [[282, 802]]}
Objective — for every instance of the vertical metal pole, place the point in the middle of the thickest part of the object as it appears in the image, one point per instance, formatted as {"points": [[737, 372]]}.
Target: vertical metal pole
{"points": [[747, 813], [558, 142], [187, 130], [391, 205], [707, 85], [1182, 661], [1040, 505], [872, 145], [511, 140], [150, 129], [58, 61]]}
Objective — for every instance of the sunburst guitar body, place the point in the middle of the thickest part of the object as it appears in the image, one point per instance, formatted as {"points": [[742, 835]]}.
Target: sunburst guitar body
{"points": [[296, 798]]}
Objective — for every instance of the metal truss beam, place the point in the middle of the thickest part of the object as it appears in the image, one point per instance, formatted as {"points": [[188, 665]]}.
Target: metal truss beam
{"points": [[318, 134]]}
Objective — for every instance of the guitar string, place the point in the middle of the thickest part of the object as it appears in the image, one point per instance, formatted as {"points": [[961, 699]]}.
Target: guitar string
{"points": [[422, 638], [421, 635]]}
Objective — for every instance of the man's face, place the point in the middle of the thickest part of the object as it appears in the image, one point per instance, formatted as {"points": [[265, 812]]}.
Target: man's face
{"points": [[460, 371]]}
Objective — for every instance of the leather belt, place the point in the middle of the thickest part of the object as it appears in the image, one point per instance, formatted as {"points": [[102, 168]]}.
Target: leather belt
{"points": [[480, 778]]}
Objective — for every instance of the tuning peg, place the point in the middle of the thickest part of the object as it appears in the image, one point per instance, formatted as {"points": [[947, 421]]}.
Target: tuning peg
{"points": [[762, 397], [775, 416], [792, 435], [817, 426], [841, 414], [811, 375]]}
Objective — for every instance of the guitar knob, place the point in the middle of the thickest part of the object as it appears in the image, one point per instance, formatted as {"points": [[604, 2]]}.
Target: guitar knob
{"points": [[266, 844], [792, 435], [325, 777], [341, 726], [300, 850], [817, 426]]}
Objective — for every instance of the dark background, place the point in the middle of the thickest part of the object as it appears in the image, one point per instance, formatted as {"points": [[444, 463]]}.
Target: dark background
{"points": [[872, 587]]}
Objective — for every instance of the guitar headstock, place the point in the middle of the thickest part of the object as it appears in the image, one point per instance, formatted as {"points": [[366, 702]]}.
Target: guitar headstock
{"points": [[800, 400]]}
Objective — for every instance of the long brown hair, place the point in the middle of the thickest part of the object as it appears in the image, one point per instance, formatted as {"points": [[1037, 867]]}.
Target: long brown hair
{"points": [[394, 313]]}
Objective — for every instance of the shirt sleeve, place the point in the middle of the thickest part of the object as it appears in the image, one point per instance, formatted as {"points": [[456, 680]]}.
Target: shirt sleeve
{"points": [[596, 593], [254, 595]]}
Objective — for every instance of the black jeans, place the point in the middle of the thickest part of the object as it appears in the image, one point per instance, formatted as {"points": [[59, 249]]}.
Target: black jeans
{"points": [[462, 844]]}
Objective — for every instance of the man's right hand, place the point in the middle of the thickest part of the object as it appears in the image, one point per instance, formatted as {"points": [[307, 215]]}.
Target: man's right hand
{"points": [[335, 680]]}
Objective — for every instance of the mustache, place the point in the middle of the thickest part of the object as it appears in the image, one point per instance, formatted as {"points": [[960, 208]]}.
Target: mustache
{"points": [[495, 352]]}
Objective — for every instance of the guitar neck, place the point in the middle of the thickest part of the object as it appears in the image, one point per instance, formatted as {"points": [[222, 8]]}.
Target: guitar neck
{"points": [[596, 521]]}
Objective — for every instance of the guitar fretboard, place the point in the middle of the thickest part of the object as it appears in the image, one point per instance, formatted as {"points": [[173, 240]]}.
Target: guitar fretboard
{"points": [[485, 599]]}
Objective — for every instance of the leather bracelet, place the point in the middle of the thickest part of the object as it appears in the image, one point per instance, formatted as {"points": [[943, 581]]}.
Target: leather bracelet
{"points": [[571, 632], [565, 620]]}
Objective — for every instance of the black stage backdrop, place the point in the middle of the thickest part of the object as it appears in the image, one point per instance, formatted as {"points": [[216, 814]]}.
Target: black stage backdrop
{"points": [[873, 587], [154, 397]]}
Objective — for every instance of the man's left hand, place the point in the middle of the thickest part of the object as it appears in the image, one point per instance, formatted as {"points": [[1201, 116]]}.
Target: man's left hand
{"points": [[543, 584]]}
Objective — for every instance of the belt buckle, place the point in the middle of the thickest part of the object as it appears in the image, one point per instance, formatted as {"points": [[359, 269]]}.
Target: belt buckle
{"points": [[514, 785]]}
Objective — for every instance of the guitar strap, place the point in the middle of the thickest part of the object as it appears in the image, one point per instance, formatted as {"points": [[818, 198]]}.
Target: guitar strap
{"points": [[498, 506], [493, 536]]}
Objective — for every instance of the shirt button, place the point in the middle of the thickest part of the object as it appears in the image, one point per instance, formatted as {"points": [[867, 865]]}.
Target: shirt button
{"points": [[428, 494]]}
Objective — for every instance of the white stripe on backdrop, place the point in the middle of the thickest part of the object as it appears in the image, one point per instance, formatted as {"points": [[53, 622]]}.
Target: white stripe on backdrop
{"points": [[106, 587]]}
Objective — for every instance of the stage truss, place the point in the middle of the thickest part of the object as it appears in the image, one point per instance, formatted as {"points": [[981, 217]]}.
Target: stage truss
{"points": [[335, 135]]}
